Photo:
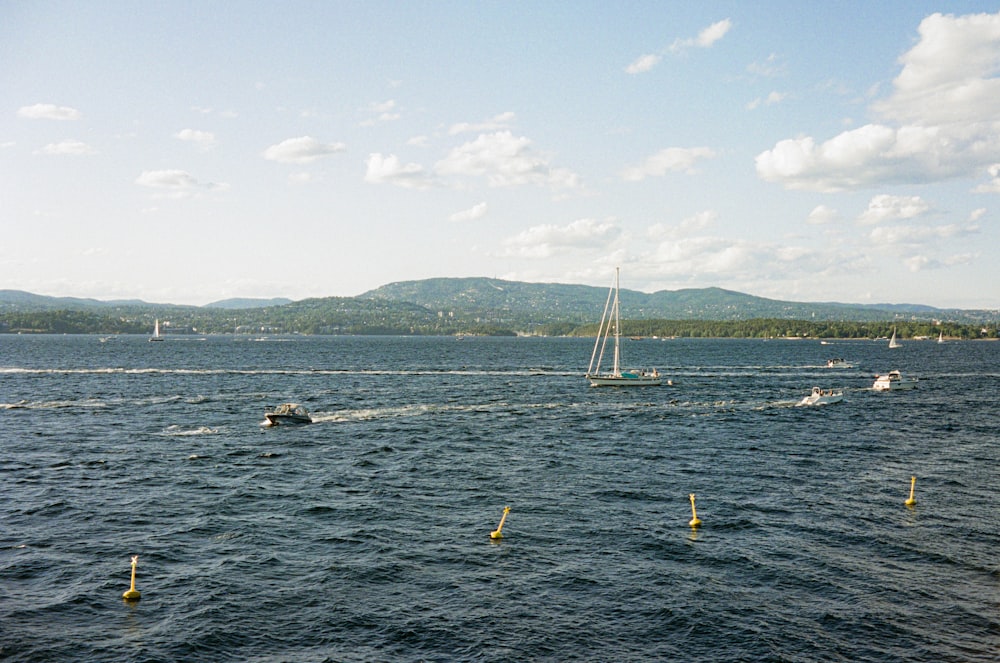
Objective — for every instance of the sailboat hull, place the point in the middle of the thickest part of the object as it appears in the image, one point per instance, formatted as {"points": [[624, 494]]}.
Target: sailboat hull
{"points": [[624, 380]]}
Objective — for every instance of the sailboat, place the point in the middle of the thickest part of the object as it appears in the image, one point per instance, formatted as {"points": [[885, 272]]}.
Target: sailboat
{"points": [[940, 337], [156, 332], [611, 327], [893, 343]]}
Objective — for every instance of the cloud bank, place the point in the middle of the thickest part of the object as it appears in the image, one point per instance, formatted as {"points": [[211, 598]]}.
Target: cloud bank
{"points": [[942, 120]]}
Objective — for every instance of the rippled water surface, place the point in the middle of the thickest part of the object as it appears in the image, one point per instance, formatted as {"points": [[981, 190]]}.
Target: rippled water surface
{"points": [[365, 536]]}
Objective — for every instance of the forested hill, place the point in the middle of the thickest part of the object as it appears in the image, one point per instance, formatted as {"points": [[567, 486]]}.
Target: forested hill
{"points": [[488, 306], [553, 302]]}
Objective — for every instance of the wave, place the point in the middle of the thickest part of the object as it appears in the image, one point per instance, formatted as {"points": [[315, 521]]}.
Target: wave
{"points": [[54, 405], [179, 431]]}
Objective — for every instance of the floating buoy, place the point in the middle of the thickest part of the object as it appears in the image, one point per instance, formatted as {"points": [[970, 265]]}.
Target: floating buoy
{"points": [[132, 594], [913, 484], [694, 514], [495, 534]]}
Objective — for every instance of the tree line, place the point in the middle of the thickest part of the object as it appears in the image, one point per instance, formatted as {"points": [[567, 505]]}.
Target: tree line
{"points": [[373, 319]]}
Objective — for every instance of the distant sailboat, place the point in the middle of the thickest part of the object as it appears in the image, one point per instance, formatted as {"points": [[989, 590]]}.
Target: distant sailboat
{"points": [[941, 337], [611, 327], [156, 332], [893, 343]]}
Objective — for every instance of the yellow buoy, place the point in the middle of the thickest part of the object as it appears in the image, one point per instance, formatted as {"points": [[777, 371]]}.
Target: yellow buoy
{"points": [[132, 594], [911, 501], [694, 514], [495, 534]]}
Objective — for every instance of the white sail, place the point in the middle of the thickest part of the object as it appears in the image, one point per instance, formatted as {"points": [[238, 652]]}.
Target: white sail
{"points": [[156, 332]]}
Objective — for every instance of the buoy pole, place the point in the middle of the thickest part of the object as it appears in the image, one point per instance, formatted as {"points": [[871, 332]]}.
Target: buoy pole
{"points": [[132, 594], [694, 514], [496, 534], [913, 484]]}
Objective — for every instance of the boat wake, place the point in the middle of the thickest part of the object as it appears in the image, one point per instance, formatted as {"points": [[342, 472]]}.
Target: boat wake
{"points": [[179, 431]]}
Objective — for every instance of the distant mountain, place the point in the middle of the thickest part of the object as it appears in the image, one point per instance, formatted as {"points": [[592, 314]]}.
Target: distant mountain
{"points": [[433, 305], [553, 301], [246, 303], [21, 300]]}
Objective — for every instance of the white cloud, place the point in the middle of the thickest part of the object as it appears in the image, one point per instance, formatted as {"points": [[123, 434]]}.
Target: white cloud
{"points": [[769, 100], [705, 39], [167, 179], [821, 214], [48, 112], [916, 235], [301, 150], [301, 177], [382, 111], [505, 160], [950, 75], [203, 139], [176, 183], [993, 186], [670, 160], [390, 170], [884, 208], [687, 227], [68, 147], [943, 118], [495, 123], [643, 64], [770, 67], [547, 240], [477, 211]]}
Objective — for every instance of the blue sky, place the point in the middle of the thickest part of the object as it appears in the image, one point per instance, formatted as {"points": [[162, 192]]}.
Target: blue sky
{"points": [[187, 152]]}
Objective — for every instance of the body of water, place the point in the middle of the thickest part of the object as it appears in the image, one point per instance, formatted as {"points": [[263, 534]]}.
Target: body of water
{"points": [[366, 535]]}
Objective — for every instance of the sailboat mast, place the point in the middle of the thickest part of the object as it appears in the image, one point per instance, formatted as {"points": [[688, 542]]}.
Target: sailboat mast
{"points": [[617, 322]]}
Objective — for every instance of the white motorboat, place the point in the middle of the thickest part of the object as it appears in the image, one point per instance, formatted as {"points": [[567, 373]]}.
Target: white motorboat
{"points": [[893, 381], [611, 328], [821, 397], [838, 363], [287, 413]]}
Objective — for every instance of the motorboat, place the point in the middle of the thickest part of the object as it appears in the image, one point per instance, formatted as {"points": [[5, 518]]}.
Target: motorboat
{"points": [[821, 397], [893, 381], [838, 363], [287, 413], [610, 328]]}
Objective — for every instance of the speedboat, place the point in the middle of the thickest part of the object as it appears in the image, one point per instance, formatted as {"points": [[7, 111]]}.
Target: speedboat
{"points": [[837, 363], [287, 413], [893, 381], [821, 397]]}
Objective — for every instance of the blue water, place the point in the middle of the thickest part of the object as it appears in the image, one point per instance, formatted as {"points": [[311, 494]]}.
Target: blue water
{"points": [[365, 536]]}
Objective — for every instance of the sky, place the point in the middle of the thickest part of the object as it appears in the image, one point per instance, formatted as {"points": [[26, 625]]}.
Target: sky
{"points": [[188, 152]]}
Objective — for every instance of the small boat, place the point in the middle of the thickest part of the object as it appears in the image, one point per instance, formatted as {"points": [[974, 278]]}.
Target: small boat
{"points": [[821, 397], [893, 381], [287, 413], [611, 327], [941, 337], [893, 343], [838, 363], [156, 332]]}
